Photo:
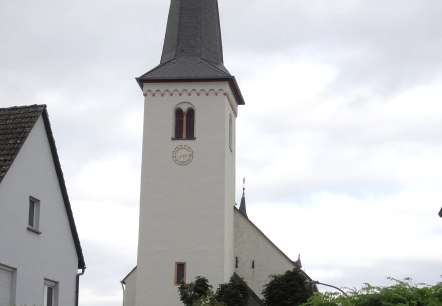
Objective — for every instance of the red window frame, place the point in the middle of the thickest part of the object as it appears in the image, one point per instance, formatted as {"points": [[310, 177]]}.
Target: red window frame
{"points": [[177, 281]]}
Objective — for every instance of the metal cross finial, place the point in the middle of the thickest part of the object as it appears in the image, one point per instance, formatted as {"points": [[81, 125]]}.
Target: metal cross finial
{"points": [[243, 184]]}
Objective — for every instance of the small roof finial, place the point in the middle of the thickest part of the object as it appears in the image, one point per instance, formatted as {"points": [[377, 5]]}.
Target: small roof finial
{"points": [[243, 185], [298, 262]]}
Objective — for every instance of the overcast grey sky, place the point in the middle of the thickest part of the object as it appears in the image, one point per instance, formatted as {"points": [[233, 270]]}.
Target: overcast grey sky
{"points": [[340, 138]]}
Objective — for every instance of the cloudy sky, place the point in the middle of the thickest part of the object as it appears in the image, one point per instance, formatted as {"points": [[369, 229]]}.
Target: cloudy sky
{"points": [[340, 139]]}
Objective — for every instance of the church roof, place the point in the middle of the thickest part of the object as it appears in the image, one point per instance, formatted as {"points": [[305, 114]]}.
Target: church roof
{"points": [[192, 49], [15, 125]]}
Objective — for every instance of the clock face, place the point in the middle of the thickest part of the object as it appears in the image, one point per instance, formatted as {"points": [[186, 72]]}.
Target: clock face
{"points": [[182, 155]]}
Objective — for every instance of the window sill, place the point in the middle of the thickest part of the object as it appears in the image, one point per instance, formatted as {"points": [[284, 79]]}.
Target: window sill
{"points": [[173, 138], [34, 230]]}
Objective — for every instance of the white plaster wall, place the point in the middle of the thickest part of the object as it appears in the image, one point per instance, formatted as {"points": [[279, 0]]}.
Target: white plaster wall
{"points": [[252, 245], [229, 194], [131, 289], [51, 254], [185, 211]]}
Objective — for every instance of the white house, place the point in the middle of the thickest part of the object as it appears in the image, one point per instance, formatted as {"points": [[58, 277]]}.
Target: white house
{"points": [[40, 252], [189, 225]]}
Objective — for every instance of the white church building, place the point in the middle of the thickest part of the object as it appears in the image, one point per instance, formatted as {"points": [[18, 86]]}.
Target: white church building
{"points": [[189, 225]]}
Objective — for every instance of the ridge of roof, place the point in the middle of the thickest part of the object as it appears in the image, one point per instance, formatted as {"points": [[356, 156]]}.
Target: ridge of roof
{"points": [[15, 125]]}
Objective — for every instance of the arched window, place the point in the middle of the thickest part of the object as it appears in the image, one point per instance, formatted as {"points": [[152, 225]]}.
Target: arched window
{"points": [[190, 123], [184, 122], [179, 123]]}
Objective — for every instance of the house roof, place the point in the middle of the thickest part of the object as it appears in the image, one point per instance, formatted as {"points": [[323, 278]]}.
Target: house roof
{"points": [[192, 49], [15, 125]]}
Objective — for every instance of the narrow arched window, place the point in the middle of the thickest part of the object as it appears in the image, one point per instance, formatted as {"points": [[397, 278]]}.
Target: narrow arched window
{"points": [[190, 123], [179, 123], [184, 121]]}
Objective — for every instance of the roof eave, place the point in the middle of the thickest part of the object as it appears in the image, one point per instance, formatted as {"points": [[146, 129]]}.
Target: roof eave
{"points": [[231, 80], [81, 262]]}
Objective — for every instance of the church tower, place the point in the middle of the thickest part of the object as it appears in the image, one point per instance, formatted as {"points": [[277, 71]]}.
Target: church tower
{"points": [[188, 161]]}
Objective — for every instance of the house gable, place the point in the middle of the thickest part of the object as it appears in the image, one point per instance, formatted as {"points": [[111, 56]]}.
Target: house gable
{"points": [[16, 124]]}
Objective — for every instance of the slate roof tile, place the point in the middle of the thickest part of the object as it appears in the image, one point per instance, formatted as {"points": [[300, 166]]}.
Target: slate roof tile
{"points": [[192, 49]]}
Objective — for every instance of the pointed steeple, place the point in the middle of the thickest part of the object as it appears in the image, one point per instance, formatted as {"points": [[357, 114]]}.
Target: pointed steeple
{"points": [[298, 262], [242, 205], [193, 30], [192, 48]]}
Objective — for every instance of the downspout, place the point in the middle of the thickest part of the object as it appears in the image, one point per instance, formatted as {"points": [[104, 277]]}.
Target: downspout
{"points": [[77, 285]]}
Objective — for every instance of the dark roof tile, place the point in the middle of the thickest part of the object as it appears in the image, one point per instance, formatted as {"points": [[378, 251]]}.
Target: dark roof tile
{"points": [[15, 126], [192, 49]]}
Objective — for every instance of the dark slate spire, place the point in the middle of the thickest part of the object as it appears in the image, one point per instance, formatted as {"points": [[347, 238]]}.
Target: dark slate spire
{"points": [[193, 30], [242, 205], [192, 48]]}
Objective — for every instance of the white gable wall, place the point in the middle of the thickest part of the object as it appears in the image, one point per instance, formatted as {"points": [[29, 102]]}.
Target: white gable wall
{"points": [[35, 257], [251, 245]]}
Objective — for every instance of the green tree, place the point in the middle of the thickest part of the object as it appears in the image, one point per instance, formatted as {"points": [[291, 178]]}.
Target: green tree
{"points": [[404, 293], [289, 289], [233, 293], [200, 293]]}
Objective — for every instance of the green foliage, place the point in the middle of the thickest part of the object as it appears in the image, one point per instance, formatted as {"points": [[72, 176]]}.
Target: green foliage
{"points": [[289, 289], [403, 293], [200, 293], [196, 293], [234, 293]]}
